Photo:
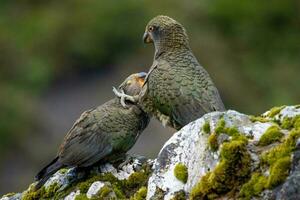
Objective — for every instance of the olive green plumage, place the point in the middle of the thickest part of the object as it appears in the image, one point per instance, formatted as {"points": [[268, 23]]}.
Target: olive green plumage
{"points": [[178, 89], [102, 134]]}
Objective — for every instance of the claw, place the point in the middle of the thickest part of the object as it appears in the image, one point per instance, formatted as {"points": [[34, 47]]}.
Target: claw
{"points": [[123, 97]]}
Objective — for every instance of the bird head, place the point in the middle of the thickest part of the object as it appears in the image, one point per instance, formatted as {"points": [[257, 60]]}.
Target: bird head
{"points": [[166, 34], [133, 84]]}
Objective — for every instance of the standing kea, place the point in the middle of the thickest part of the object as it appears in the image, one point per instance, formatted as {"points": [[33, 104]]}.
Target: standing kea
{"points": [[103, 134], [177, 89]]}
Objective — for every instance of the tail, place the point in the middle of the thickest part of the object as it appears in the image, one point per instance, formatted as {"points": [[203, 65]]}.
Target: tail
{"points": [[46, 172]]}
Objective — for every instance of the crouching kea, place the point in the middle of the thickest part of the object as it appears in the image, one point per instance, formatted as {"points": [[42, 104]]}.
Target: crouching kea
{"points": [[103, 134]]}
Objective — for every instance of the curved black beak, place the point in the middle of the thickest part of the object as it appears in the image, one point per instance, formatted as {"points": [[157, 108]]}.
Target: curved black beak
{"points": [[147, 38]]}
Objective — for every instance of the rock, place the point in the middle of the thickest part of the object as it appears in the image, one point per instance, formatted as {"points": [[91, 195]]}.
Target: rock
{"points": [[104, 181], [223, 155], [94, 189], [72, 195], [190, 146]]}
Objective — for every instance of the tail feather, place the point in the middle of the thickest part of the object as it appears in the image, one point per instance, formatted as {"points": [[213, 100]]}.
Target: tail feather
{"points": [[47, 171]]}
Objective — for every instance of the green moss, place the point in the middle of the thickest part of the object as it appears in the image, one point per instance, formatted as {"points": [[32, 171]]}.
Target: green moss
{"points": [[289, 123], [123, 189], [279, 171], [41, 193], [119, 193], [136, 180], [278, 159], [282, 150], [32, 195], [181, 172], [104, 192], [213, 142], [140, 194], [81, 197], [272, 134], [253, 187], [180, 195], [258, 119], [297, 122], [232, 131], [233, 169], [51, 190], [206, 128], [220, 126], [63, 170], [85, 185], [274, 111]]}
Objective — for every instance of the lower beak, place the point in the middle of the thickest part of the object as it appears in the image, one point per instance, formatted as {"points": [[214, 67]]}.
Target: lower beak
{"points": [[147, 38]]}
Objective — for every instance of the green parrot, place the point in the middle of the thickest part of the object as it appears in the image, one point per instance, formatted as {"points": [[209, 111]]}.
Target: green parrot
{"points": [[177, 89], [103, 134]]}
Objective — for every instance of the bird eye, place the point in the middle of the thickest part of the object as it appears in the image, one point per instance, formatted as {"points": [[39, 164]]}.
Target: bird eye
{"points": [[151, 28], [128, 82]]}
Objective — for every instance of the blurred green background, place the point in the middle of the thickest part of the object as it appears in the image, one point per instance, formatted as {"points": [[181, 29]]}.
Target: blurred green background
{"points": [[59, 58]]}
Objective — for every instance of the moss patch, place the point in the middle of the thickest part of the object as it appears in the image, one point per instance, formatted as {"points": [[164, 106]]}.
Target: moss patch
{"points": [[180, 195], [181, 172], [220, 127], [282, 150], [81, 197], [258, 119], [271, 135], [213, 142], [140, 194], [289, 123], [278, 159], [231, 131], [254, 186], [279, 171], [233, 169], [103, 192], [63, 170], [274, 111], [41, 193], [206, 128]]}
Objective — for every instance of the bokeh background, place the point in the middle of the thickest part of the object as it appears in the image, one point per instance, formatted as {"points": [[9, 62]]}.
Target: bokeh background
{"points": [[59, 58]]}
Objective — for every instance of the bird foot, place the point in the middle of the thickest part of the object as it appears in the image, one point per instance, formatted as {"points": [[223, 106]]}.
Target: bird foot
{"points": [[164, 120], [123, 97]]}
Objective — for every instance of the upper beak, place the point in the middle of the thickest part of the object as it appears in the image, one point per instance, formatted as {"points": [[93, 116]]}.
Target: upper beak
{"points": [[147, 38]]}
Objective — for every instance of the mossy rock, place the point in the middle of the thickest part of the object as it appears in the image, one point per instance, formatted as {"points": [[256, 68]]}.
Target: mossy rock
{"points": [[233, 169], [253, 187], [272, 134]]}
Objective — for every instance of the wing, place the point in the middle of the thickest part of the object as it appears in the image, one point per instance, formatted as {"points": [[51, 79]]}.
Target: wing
{"points": [[86, 143], [183, 92]]}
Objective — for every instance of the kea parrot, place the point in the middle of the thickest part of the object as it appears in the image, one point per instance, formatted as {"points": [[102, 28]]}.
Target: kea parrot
{"points": [[177, 89], [103, 134]]}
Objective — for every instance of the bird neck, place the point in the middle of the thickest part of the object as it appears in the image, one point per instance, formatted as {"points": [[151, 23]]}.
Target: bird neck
{"points": [[171, 44]]}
